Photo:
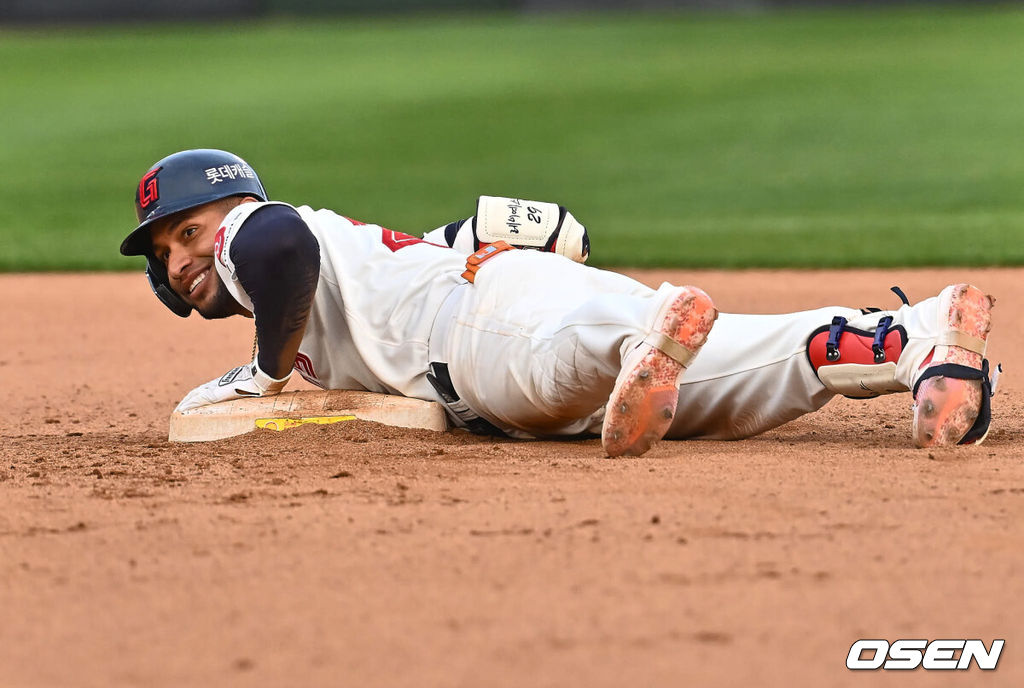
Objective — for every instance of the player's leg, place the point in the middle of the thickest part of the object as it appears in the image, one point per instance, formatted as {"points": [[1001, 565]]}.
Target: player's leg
{"points": [[757, 372], [752, 375], [539, 342], [935, 348]]}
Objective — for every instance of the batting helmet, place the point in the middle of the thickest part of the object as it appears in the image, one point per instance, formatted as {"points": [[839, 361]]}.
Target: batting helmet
{"points": [[178, 182]]}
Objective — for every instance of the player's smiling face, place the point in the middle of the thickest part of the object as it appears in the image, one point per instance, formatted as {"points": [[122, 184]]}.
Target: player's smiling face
{"points": [[184, 244]]}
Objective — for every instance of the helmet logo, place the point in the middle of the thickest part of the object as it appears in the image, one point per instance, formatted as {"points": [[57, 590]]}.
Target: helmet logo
{"points": [[148, 191], [229, 173]]}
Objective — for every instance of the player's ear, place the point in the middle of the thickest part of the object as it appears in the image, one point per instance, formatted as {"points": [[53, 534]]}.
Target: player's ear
{"points": [[228, 203]]}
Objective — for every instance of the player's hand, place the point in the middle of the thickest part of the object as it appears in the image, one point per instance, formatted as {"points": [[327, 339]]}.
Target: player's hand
{"points": [[238, 383]]}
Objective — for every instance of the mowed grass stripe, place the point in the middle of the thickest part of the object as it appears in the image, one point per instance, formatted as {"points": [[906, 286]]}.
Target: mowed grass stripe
{"points": [[814, 139]]}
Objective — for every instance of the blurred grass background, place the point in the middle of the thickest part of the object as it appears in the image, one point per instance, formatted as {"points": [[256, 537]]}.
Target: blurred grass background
{"points": [[802, 138]]}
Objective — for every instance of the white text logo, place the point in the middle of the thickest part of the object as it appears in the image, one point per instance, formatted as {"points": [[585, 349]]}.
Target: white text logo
{"points": [[869, 655]]}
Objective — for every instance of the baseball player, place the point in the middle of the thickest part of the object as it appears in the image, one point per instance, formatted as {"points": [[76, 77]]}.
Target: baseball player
{"points": [[528, 343]]}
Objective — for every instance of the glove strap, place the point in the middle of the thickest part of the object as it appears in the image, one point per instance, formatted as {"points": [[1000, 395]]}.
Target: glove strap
{"points": [[474, 262], [265, 383]]}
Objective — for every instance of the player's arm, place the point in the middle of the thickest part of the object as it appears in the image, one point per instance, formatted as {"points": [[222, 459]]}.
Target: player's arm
{"points": [[523, 224], [277, 262]]}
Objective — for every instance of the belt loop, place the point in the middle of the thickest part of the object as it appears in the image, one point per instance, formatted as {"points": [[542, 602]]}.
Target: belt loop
{"points": [[443, 323]]}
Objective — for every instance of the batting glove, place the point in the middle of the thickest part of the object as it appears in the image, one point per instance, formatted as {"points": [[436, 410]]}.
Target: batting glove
{"points": [[237, 383]]}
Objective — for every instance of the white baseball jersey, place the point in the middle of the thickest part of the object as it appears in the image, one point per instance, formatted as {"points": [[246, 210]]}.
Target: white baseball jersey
{"points": [[535, 344], [376, 300]]}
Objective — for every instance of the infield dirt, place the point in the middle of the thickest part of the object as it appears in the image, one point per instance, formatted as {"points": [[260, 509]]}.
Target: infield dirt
{"points": [[362, 555]]}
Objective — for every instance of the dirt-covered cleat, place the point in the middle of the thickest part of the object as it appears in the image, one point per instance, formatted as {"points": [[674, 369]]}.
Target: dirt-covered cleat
{"points": [[951, 395], [935, 349], [643, 402]]}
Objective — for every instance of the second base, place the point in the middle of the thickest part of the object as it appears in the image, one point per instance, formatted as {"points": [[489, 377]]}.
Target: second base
{"points": [[231, 418]]}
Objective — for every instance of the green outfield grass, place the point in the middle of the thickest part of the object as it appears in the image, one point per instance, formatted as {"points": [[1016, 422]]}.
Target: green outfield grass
{"points": [[795, 139]]}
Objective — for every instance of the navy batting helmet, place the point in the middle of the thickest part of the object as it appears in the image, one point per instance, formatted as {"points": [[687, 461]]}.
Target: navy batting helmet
{"points": [[178, 182]]}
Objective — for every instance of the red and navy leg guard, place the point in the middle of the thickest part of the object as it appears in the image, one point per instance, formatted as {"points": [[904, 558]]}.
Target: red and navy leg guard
{"points": [[857, 363]]}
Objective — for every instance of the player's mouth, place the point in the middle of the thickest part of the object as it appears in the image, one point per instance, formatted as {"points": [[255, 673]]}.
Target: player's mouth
{"points": [[196, 286]]}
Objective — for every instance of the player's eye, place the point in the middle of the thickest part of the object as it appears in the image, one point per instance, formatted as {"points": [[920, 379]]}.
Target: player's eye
{"points": [[190, 231]]}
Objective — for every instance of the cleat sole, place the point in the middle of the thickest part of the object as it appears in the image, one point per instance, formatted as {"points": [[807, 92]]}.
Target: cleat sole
{"points": [[643, 402], [946, 408]]}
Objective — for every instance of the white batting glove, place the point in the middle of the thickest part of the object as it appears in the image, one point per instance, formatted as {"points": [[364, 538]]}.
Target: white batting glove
{"points": [[237, 383]]}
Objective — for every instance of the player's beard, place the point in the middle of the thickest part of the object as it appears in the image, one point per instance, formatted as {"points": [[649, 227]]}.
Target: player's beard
{"points": [[221, 305]]}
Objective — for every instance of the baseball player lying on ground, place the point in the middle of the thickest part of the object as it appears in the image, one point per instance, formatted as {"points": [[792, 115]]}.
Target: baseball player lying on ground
{"points": [[529, 343]]}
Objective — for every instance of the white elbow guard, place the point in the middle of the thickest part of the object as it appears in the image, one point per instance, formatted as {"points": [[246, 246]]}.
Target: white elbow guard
{"points": [[531, 224]]}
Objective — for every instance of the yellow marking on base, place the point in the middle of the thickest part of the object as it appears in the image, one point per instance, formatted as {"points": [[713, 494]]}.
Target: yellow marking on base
{"points": [[279, 424]]}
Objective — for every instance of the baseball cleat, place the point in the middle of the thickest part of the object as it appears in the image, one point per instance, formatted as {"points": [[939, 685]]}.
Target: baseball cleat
{"points": [[643, 402], [946, 406]]}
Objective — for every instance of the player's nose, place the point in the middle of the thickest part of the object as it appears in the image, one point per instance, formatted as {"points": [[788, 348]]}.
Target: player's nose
{"points": [[178, 263]]}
